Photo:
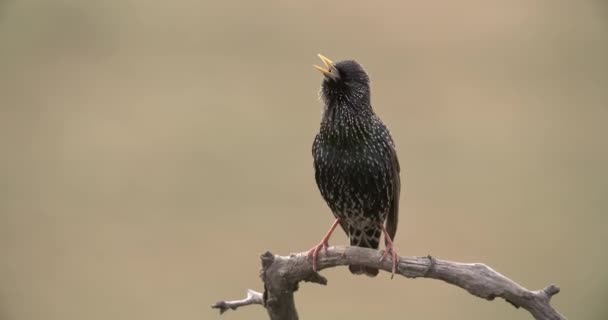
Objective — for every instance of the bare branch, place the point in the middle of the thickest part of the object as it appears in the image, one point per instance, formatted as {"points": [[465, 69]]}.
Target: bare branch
{"points": [[282, 274], [253, 297]]}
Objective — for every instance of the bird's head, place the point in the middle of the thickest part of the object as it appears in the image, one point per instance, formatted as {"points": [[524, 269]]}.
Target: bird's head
{"points": [[344, 82]]}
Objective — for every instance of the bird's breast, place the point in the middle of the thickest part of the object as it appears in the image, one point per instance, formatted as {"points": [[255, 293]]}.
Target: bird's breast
{"points": [[352, 176]]}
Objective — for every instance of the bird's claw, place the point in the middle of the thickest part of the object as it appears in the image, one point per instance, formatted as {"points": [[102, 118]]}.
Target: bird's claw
{"points": [[314, 252], [389, 250]]}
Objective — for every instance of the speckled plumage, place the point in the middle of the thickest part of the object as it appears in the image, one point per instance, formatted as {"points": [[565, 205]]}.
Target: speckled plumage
{"points": [[356, 165]]}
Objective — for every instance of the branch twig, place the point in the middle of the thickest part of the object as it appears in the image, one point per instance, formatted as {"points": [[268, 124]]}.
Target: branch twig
{"points": [[253, 297], [282, 274]]}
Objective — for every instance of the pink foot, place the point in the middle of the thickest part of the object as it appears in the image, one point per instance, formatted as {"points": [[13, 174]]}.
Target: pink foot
{"points": [[390, 249], [314, 251]]}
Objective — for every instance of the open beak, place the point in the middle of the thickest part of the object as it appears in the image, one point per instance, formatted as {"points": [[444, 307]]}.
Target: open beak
{"points": [[330, 70]]}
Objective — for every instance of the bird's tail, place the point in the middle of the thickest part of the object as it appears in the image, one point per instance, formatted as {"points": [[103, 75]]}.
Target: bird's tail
{"points": [[369, 238]]}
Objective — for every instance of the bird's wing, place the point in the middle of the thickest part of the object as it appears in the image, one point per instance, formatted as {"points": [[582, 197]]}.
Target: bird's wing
{"points": [[393, 214]]}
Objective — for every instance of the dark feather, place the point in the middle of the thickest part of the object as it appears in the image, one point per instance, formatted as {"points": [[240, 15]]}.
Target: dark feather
{"points": [[392, 219]]}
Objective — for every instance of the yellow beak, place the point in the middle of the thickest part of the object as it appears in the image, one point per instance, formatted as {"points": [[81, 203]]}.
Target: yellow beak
{"points": [[330, 70]]}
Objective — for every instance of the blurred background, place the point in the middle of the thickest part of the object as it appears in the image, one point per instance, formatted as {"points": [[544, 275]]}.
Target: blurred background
{"points": [[152, 150]]}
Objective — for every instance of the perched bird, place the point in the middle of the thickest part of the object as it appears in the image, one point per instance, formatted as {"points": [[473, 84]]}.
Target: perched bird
{"points": [[356, 165]]}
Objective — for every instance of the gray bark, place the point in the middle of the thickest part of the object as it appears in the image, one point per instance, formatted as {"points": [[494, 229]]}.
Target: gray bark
{"points": [[282, 274]]}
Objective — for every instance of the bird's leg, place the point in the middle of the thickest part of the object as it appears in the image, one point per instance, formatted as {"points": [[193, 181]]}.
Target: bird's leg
{"points": [[389, 249], [314, 251]]}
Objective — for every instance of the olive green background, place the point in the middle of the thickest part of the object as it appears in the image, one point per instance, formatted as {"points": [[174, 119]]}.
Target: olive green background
{"points": [[151, 150]]}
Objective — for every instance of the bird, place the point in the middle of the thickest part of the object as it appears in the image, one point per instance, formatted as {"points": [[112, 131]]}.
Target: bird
{"points": [[355, 162]]}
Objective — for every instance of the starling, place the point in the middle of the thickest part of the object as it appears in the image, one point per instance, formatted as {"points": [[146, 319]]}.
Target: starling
{"points": [[356, 165]]}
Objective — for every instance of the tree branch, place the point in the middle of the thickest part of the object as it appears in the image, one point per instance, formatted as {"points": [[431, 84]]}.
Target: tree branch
{"points": [[282, 274]]}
